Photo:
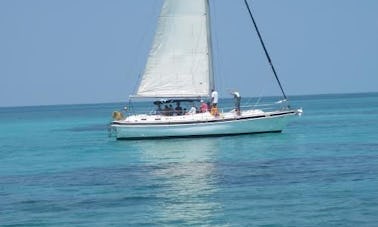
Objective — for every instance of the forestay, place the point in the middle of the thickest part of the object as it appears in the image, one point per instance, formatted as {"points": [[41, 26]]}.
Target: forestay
{"points": [[179, 62]]}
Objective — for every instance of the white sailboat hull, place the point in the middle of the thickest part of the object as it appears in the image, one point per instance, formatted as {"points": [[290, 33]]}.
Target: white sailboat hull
{"points": [[228, 125]]}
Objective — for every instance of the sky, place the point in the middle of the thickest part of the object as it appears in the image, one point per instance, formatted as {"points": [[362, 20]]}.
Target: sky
{"points": [[92, 51]]}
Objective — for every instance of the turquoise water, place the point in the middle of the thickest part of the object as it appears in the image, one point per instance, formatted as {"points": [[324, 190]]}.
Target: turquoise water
{"points": [[58, 167]]}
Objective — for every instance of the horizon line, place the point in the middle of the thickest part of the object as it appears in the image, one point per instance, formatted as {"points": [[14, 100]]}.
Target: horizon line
{"points": [[116, 102]]}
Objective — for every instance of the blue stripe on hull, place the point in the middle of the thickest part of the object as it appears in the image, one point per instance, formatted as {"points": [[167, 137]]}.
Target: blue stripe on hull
{"points": [[195, 136]]}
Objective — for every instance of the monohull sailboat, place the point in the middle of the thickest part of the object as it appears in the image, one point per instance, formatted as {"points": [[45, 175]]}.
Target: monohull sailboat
{"points": [[179, 74]]}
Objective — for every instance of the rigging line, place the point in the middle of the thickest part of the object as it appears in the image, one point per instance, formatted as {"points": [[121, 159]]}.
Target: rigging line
{"points": [[260, 97], [265, 50]]}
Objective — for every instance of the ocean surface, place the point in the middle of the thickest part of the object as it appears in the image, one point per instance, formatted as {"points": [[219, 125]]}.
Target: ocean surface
{"points": [[58, 167]]}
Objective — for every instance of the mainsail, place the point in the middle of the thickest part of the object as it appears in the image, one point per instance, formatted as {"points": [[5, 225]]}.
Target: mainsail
{"points": [[179, 63]]}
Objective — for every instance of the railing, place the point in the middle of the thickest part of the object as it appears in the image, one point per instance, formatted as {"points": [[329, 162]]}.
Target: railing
{"points": [[266, 107]]}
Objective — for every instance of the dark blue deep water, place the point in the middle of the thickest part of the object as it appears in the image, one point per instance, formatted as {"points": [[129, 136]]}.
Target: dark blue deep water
{"points": [[58, 167]]}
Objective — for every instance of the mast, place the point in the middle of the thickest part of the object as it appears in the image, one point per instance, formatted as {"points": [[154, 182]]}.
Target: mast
{"points": [[210, 47], [265, 50]]}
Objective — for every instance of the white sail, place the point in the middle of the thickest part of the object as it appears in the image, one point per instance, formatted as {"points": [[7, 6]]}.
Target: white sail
{"points": [[179, 62]]}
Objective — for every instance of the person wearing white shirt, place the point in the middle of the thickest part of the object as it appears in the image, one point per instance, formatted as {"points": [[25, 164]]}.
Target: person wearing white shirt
{"points": [[214, 98], [192, 110]]}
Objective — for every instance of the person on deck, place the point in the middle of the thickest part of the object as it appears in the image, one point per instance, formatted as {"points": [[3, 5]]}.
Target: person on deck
{"points": [[193, 110], [214, 103], [237, 99], [204, 107], [214, 98], [178, 109], [165, 111], [170, 112]]}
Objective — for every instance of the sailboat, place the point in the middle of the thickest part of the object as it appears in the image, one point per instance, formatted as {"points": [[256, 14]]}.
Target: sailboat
{"points": [[179, 74]]}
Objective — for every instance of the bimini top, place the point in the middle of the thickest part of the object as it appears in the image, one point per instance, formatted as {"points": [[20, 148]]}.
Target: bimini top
{"points": [[165, 101]]}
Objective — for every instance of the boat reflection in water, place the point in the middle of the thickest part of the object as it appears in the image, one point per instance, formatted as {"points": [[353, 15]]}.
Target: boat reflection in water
{"points": [[184, 173]]}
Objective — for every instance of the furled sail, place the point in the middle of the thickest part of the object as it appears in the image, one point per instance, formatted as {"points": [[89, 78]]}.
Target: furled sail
{"points": [[179, 63]]}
